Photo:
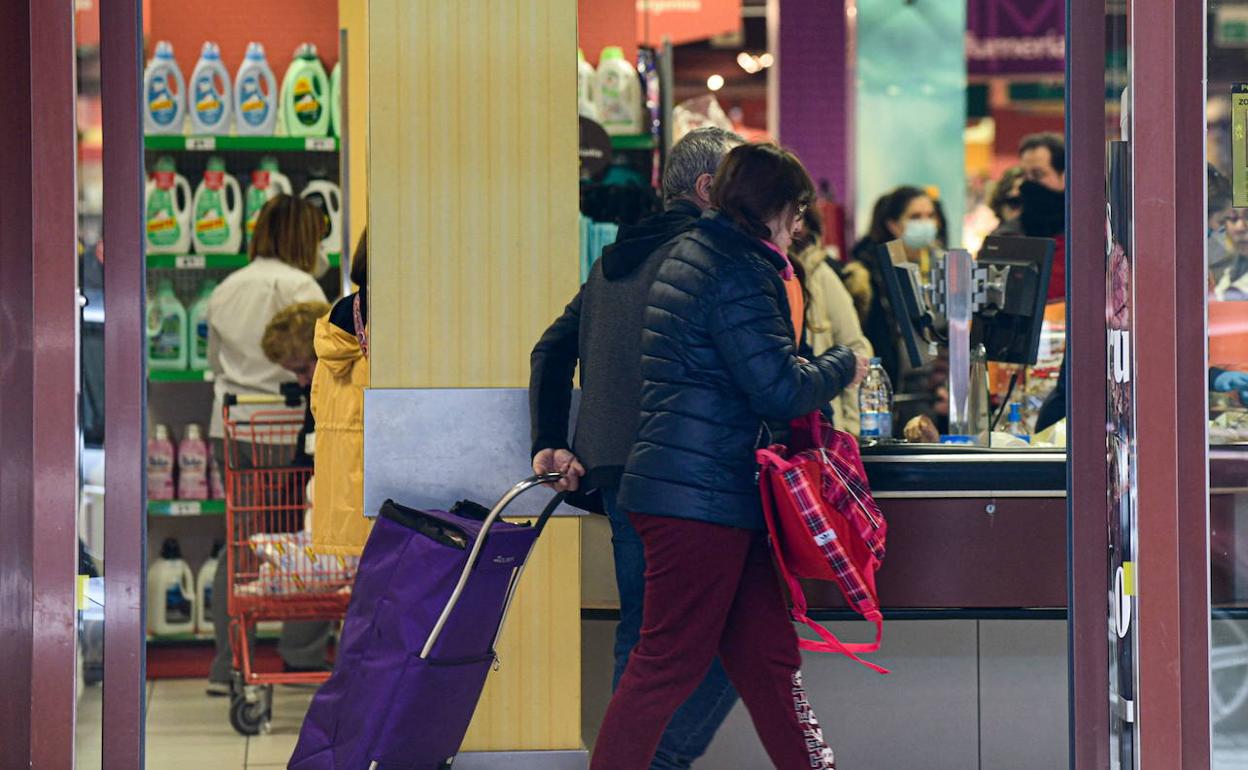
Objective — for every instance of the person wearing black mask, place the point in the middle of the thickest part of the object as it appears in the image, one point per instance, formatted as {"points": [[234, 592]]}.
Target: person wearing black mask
{"points": [[1043, 193]]}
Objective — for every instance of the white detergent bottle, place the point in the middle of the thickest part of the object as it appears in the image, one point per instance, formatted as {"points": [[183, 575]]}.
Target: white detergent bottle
{"points": [[255, 95], [619, 94], [168, 226], [170, 593], [218, 211], [164, 93], [198, 319], [266, 183], [167, 349], [193, 465], [203, 589], [328, 198], [211, 98], [586, 87], [161, 460]]}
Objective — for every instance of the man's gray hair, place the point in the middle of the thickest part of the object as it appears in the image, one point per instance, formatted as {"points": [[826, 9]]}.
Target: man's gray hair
{"points": [[698, 152]]}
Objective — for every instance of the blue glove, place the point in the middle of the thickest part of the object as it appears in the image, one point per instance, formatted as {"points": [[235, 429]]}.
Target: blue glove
{"points": [[1228, 381]]}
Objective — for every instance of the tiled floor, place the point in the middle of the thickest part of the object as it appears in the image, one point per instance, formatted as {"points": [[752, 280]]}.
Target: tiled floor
{"points": [[187, 730]]}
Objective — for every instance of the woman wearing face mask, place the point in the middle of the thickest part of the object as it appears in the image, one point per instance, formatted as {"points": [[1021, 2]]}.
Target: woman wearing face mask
{"points": [[718, 358], [908, 214]]}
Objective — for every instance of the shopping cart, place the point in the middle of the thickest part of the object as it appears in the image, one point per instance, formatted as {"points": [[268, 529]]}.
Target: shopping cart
{"points": [[272, 574]]}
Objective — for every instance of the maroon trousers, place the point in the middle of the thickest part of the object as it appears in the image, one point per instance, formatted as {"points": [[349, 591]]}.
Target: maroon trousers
{"points": [[710, 590]]}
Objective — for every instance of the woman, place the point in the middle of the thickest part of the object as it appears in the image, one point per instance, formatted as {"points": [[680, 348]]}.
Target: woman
{"points": [[907, 214], [339, 526], [718, 360], [831, 318], [283, 252], [1007, 202]]}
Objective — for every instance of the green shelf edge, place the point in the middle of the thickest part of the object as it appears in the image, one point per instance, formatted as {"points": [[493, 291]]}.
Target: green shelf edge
{"points": [[212, 261], [177, 143], [637, 142], [207, 508], [183, 375]]}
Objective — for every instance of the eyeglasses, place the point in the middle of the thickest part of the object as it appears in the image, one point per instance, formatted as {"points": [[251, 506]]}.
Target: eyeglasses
{"points": [[800, 211]]}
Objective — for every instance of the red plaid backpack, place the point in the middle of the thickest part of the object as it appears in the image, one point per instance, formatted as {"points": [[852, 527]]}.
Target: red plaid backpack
{"points": [[824, 525]]}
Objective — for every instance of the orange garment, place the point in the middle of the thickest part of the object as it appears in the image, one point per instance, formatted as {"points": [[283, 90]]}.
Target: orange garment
{"points": [[797, 306]]}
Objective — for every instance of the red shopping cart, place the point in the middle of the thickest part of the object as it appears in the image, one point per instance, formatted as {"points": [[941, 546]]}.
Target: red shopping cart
{"points": [[272, 573]]}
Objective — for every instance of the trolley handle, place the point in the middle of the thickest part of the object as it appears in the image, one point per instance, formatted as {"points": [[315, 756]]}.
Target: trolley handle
{"points": [[291, 396], [495, 513]]}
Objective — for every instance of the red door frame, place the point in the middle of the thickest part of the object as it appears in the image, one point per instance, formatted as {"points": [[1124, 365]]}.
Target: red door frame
{"points": [[125, 383], [38, 377]]}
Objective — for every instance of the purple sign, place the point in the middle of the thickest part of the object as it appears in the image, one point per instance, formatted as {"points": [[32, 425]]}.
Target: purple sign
{"points": [[1015, 37]]}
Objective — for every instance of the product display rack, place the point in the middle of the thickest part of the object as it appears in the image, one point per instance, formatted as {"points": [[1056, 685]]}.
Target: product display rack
{"points": [[183, 396], [633, 142]]}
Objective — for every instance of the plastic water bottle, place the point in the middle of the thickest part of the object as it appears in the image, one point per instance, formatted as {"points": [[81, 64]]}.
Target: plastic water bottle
{"points": [[1014, 426], [875, 401]]}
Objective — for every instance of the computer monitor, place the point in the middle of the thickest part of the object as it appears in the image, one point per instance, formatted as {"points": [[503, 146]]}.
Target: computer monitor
{"points": [[1009, 320], [914, 318]]}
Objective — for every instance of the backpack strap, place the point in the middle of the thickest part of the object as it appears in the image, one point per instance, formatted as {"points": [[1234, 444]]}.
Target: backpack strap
{"points": [[361, 331]]}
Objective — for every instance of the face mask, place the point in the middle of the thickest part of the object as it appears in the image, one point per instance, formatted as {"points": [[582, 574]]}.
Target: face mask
{"points": [[1219, 249], [1044, 210], [919, 233]]}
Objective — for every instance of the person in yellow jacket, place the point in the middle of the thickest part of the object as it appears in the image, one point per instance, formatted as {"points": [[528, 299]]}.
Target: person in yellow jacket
{"points": [[339, 526], [831, 316]]}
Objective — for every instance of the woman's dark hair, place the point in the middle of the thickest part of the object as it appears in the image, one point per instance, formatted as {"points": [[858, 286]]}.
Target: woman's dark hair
{"points": [[1219, 190], [359, 261], [890, 208], [289, 229], [758, 181], [1003, 190]]}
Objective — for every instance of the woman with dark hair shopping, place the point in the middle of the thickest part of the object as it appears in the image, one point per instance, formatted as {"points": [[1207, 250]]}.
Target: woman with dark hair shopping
{"points": [[718, 358]]}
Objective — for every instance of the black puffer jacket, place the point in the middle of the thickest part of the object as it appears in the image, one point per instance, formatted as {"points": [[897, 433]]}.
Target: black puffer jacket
{"points": [[717, 359]]}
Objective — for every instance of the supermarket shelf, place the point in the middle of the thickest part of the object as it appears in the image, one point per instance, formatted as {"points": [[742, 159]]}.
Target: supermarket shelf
{"points": [[184, 375], [637, 142], [208, 261], [185, 507], [241, 143]]}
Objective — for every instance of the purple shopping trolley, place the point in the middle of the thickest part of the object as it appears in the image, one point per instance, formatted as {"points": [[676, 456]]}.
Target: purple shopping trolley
{"points": [[430, 597]]}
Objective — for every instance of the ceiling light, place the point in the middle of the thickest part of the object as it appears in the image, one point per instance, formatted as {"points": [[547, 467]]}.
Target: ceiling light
{"points": [[766, 60], [747, 62], [715, 82]]}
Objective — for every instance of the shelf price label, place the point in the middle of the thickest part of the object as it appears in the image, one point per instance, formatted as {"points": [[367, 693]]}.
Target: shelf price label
{"points": [[190, 262], [319, 144], [184, 508], [201, 143]]}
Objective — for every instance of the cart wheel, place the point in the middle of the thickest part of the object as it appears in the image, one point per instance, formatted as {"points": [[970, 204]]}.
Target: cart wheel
{"points": [[248, 718]]}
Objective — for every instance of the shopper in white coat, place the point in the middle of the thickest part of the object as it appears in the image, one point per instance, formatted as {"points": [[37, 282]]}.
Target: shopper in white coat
{"points": [[831, 318]]}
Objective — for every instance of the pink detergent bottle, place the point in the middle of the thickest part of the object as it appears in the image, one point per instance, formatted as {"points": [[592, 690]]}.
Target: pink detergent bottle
{"points": [[161, 458], [193, 465]]}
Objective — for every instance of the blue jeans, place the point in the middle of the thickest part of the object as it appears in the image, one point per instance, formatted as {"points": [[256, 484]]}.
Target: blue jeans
{"points": [[694, 724]]}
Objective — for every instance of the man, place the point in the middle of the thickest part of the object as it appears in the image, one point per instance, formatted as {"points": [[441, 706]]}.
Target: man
{"points": [[601, 328]]}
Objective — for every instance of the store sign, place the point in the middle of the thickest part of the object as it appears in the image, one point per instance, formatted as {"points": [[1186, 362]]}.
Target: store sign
{"points": [[1122, 482], [1016, 37], [1230, 27], [1239, 145], [684, 21]]}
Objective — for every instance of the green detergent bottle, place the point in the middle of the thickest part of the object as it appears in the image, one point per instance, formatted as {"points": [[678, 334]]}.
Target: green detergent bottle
{"points": [[168, 220], [305, 95]]}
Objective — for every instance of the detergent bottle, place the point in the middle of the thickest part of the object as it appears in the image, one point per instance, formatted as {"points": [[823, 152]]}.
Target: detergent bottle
{"points": [[335, 100], [266, 183], [193, 465], [203, 589], [168, 210], [327, 197], [167, 349], [170, 593], [586, 87], [211, 97], [161, 460], [218, 211], [164, 93], [255, 95], [305, 94], [619, 94], [199, 327]]}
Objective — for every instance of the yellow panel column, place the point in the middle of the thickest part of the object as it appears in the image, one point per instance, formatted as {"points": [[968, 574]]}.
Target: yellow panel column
{"points": [[472, 200]]}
